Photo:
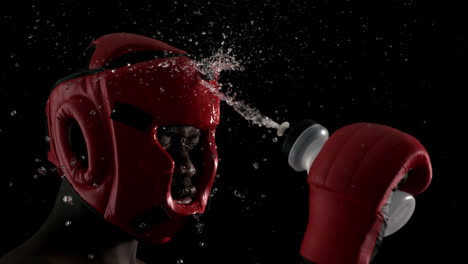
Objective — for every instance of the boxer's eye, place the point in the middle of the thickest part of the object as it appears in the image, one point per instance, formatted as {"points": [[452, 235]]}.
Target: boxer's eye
{"points": [[176, 137], [191, 142], [165, 141], [164, 136]]}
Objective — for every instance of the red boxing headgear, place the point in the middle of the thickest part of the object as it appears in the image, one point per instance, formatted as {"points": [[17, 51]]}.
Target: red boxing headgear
{"points": [[128, 175], [350, 181]]}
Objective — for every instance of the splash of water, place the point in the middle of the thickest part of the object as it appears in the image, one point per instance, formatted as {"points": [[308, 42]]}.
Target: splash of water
{"points": [[223, 61]]}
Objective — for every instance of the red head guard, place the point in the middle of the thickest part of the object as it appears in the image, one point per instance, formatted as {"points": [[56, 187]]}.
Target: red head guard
{"points": [[128, 175]]}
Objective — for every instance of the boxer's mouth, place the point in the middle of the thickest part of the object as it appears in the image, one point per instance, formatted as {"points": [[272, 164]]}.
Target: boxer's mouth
{"points": [[185, 201], [183, 190]]}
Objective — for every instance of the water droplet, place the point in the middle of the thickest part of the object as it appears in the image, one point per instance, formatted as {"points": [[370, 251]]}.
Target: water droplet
{"points": [[275, 139], [143, 225], [42, 170], [201, 244], [92, 112], [13, 113], [213, 192], [73, 162], [164, 64], [95, 184], [180, 261], [35, 177], [263, 196], [90, 256], [238, 194], [67, 199], [11, 183], [161, 90], [47, 139], [213, 156], [37, 160], [255, 165], [199, 228], [68, 223], [197, 216]]}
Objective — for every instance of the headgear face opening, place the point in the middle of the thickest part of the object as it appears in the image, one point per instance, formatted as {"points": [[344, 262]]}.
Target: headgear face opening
{"points": [[127, 178]]}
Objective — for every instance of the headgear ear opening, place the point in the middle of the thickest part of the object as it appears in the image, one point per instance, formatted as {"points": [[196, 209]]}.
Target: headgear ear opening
{"points": [[78, 143], [87, 126]]}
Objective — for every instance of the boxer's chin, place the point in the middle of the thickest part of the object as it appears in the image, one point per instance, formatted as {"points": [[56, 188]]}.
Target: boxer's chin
{"points": [[184, 201]]}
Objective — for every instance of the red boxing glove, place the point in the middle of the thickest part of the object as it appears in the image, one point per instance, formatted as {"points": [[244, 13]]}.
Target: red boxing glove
{"points": [[350, 182]]}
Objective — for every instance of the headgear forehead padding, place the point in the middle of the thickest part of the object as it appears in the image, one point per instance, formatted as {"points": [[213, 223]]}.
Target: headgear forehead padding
{"points": [[350, 182], [172, 92], [112, 46]]}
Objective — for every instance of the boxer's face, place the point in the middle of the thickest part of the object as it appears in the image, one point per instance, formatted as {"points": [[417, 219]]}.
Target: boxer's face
{"points": [[181, 143]]}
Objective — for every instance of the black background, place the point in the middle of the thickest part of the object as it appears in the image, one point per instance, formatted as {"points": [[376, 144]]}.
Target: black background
{"points": [[398, 63]]}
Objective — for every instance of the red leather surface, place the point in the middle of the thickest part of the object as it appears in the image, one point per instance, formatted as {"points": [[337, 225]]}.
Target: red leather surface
{"points": [[111, 46], [350, 181], [129, 172]]}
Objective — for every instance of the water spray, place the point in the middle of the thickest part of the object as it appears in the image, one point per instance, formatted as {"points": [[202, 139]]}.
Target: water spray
{"points": [[302, 141], [224, 61]]}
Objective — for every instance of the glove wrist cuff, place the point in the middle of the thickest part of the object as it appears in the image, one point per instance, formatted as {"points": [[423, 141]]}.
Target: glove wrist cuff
{"points": [[339, 231]]}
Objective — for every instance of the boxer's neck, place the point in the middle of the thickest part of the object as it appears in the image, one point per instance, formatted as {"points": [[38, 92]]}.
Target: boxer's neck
{"points": [[73, 229]]}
